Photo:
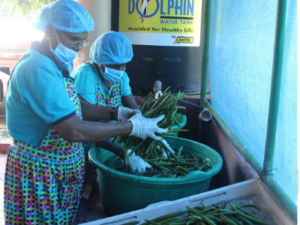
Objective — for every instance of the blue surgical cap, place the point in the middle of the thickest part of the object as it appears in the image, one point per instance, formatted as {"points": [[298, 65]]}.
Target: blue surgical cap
{"points": [[64, 15], [111, 48]]}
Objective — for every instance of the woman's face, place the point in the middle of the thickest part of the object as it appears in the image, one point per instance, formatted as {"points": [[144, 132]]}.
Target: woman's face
{"points": [[121, 67], [74, 41]]}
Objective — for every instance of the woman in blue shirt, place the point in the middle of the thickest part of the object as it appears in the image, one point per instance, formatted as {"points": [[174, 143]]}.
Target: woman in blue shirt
{"points": [[45, 166], [104, 82]]}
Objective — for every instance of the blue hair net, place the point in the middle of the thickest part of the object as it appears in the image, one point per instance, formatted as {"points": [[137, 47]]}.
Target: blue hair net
{"points": [[111, 48], [64, 15]]}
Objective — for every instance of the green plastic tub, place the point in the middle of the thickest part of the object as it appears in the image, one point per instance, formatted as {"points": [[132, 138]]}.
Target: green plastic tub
{"points": [[181, 121], [121, 192]]}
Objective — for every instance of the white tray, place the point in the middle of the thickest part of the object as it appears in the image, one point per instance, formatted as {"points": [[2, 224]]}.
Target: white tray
{"points": [[251, 191]]}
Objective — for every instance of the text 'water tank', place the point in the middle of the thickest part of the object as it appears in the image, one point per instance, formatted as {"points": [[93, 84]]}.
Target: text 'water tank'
{"points": [[165, 35]]}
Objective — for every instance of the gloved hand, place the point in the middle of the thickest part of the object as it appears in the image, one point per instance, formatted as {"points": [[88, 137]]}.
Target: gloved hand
{"points": [[146, 127], [136, 163], [125, 113], [168, 146], [164, 153]]}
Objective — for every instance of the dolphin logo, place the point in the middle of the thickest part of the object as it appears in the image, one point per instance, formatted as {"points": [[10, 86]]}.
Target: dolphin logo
{"points": [[144, 5]]}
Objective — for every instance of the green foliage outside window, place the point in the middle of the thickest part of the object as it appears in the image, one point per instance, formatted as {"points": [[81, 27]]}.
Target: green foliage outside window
{"points": [[16, 10]]}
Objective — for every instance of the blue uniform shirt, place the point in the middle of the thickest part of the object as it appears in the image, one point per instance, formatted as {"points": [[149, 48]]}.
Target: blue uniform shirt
{"points": [[36, 99], [86, 83]]}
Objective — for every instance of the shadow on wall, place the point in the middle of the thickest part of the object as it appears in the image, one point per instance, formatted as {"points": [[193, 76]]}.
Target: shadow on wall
{"points": [[235, 168], [192, 115]]}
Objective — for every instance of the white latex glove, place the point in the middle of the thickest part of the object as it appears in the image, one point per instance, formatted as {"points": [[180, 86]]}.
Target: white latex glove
{"points": [[125, 113], [146, 127], [164, 151], [136, 163], [157, 95]]}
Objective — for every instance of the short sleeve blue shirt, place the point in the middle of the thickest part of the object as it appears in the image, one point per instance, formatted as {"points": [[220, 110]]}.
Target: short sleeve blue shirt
{"points": [[36, 99], [86, 83]]}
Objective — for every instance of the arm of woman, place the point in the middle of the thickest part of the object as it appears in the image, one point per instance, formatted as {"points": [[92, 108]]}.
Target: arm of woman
{"points": [[129, 101], [76, 130], [86, 88], [91, 112], [113, 147], [127, 97]]}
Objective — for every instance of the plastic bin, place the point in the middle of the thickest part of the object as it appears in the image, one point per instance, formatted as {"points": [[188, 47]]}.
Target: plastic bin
{"points": [[182, 122], [121, 192], [249, 192]]}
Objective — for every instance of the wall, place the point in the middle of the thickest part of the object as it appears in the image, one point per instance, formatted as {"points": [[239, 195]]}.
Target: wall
{"points": [[240, 65], [235, 168], [4, 77], [100, 11]]}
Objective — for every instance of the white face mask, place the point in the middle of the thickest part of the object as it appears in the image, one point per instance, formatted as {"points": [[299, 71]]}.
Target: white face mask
{"points": [[62, 53], [112, 74]]}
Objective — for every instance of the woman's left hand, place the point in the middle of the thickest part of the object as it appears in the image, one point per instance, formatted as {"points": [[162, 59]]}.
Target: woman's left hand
{"points": [[125, 113], [136, 163]]}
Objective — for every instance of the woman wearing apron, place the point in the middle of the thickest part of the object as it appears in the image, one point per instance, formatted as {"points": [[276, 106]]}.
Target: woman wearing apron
{"points": [[104, 82], [45, 167]]}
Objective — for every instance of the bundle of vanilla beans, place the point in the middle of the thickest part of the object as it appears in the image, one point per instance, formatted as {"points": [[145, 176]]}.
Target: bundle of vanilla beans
{"points": [[158, 153], [217, 214]]}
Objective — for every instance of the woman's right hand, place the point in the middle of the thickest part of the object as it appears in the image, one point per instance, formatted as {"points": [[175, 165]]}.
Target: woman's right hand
{"points": [[146, 127]]}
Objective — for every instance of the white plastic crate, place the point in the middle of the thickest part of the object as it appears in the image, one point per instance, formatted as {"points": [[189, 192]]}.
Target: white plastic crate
{"points": [[252, 191]]}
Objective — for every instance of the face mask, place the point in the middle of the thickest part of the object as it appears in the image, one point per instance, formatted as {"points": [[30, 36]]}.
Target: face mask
{"points": [[112, 74], [62, 53]]}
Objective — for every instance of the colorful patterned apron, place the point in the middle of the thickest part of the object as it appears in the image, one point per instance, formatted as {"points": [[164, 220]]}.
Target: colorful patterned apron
{"points": [[114, 100], [43, 185]]}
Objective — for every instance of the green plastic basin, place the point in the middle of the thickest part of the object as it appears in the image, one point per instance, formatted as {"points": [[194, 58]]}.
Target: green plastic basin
{"points": [[181, 121], [122, 192]]}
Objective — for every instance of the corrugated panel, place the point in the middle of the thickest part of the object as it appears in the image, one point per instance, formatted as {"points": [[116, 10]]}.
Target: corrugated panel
{"points": [[285, 158], [240, 66], [241, 57]]}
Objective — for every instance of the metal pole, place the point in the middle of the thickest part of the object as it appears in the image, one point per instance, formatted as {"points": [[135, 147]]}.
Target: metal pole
{"points": [[192, 104], [206, 54], [275, 88], [273, 109], [286, 201]]}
